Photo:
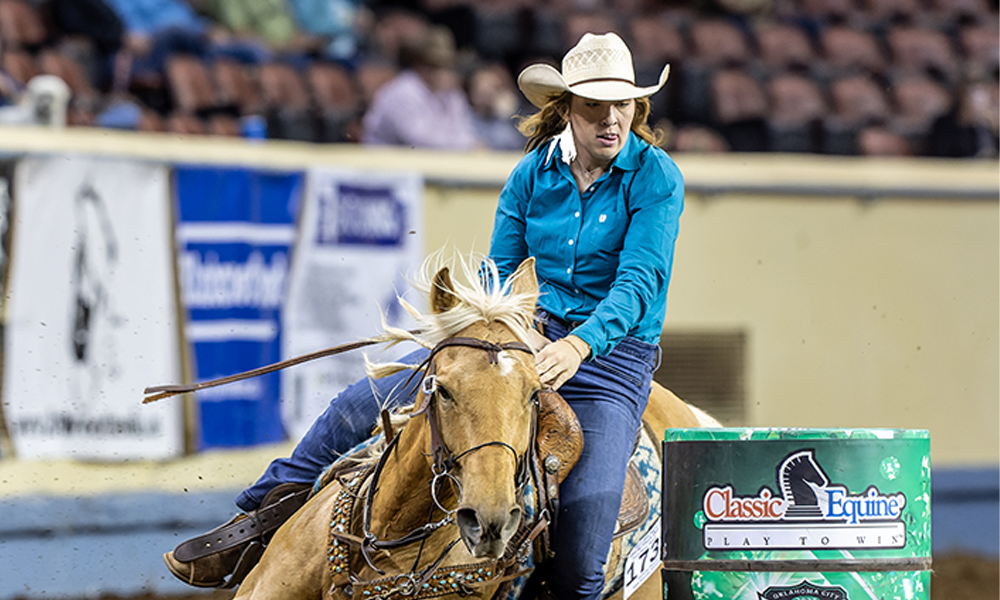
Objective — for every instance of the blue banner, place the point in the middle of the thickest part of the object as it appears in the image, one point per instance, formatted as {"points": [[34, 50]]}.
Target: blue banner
{"points": [[235, 228]]}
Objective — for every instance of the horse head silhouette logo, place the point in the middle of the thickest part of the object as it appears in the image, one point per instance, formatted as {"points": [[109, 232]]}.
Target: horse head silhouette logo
{"points": [[802, 482]]}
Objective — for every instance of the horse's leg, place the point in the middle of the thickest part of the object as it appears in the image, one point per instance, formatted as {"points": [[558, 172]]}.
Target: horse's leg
{"points": [[293, 566]]}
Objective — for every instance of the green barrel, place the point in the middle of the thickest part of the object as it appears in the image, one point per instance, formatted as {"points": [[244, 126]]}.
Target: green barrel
{"points": [[796, 514]]}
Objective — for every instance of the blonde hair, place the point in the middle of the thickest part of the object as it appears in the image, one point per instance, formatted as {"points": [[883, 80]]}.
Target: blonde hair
{"points": [[482, 297], [551, 120]]}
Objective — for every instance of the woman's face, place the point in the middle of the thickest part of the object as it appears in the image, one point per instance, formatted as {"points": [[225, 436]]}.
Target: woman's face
{"points": [[600, 128]]}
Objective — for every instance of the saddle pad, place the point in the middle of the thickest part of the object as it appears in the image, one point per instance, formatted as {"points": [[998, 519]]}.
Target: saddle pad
{"points": [[646, 462], [635, 502]]}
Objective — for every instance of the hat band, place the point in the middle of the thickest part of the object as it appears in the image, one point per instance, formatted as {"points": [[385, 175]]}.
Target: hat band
{"points": [[600, 79]]}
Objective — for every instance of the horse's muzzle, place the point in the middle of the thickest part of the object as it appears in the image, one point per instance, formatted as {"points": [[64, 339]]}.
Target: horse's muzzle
{"points": [[486, 533]]}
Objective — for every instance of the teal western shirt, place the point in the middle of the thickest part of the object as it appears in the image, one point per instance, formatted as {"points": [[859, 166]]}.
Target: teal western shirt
{"points": [[603, 257]]}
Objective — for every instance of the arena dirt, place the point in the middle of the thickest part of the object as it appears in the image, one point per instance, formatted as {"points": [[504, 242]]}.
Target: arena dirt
{"points": [[955, 577]]}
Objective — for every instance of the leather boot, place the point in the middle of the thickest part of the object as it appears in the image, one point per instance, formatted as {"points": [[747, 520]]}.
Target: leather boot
{"points": [[232, 549]]}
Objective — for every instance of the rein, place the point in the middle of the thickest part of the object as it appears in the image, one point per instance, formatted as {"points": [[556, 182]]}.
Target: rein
{"points": [[166, 391]]}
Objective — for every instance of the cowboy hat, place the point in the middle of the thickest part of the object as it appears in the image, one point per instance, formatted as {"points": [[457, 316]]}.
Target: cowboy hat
{"points": [[599, 67]]}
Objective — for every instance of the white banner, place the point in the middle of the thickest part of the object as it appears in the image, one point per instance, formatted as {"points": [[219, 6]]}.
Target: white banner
{"points": [[359, 241], [91, 313]]}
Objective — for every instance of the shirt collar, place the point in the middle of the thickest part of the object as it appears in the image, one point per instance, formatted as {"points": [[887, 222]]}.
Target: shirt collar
{"points": [[627, 159]]}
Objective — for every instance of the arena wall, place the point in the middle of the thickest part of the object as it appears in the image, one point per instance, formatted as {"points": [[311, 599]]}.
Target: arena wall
{"points": [[867, 289]]}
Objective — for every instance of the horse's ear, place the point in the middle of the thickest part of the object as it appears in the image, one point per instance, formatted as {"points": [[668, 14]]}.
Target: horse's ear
{"points": [[524, 280], [442, 293]]}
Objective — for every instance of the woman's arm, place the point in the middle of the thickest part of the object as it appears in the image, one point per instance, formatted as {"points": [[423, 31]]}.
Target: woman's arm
{"points": [[655, 200]]}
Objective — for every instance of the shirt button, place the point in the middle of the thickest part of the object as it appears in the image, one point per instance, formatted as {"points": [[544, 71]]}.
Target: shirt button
{"points": [[569, 270], [571, 242], [577, 214]]}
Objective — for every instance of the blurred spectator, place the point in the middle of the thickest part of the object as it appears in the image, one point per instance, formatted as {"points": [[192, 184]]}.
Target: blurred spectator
{"points": [[698, 139], [12, 109], [10, 89], [776, 75], [120, 113], [333, 21], [878, 140], [494, 104], [96, 22], [970, 129], [267, 21], [155, 29], [740, 110], [21, 26], [424, 106]]}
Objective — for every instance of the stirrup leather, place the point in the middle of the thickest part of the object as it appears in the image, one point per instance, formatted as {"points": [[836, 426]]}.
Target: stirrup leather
{"points": [[240, 530]]}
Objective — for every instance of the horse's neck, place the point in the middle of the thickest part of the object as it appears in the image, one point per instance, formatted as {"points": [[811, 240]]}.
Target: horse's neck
{"points": [[405, 482]]}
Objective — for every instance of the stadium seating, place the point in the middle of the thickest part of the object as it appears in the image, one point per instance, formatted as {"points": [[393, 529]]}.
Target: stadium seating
{"points": [[826, 76]]}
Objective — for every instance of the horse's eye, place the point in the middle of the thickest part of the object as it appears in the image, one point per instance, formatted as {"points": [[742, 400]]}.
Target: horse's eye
{"points": [[444, 394]]}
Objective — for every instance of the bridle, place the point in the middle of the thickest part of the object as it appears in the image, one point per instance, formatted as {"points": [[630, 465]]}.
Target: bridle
{"points": [[444, 459]]}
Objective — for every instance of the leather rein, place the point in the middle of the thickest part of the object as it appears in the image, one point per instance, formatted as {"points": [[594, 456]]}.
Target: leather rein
{"points": [[160, 392]]}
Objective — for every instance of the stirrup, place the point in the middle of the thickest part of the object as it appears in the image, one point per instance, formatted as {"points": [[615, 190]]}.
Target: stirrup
{"points": [[234, 548], [237, 531]]}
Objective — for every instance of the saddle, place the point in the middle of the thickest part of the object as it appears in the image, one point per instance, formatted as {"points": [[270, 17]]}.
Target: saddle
{"points": [[560, 442]]}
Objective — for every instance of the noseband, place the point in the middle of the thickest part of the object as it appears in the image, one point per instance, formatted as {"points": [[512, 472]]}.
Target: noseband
{"points": [[444, 459]]}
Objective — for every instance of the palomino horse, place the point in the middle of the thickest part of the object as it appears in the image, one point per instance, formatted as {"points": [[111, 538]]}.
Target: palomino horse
{"points": [[455, 472]]}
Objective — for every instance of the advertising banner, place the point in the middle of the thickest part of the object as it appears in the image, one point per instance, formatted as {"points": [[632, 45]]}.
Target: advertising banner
{"points": [[797, 513], [6, 184], [235, 228], [359, 241], [91, 315]]}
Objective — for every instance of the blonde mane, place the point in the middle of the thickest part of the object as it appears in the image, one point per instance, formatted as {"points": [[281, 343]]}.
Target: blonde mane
{"points": [[481, 298]]}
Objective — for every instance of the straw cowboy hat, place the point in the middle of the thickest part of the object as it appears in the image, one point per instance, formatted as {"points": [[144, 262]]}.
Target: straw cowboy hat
{"points": [[599, 67]]}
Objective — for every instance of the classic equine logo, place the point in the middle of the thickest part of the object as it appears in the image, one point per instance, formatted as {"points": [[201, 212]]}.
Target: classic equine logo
{"points": [[803, 591], [809, 513]]}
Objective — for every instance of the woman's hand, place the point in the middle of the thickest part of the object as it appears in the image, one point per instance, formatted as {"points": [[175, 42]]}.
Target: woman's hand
{"points": [[559, 361]]}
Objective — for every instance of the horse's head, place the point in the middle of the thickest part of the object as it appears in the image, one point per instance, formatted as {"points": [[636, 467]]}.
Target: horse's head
{"points": [[483, 401]]}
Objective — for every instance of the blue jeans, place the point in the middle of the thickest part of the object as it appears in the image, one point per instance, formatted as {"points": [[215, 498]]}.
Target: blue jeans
{"points": [[608, 394], [344, 424]]}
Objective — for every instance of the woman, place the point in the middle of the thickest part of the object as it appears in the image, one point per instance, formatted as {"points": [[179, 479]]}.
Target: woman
{"points": [[597, 205]]}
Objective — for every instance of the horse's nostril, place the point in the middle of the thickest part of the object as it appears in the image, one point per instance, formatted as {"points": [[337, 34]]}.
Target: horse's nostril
{"points": [[468, 522], [515, 517], [513, 521]]}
